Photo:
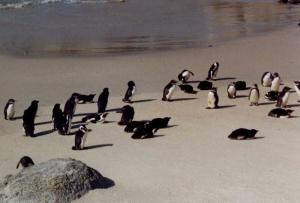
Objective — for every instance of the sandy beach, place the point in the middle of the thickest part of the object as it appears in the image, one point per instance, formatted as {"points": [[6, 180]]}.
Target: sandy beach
{"points": [[192, 160]]}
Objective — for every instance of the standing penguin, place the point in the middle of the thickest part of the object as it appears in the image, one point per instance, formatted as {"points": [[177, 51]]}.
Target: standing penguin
{"points": [[130, 92], [69, 111], [29, 117], [254, 95], [297, 87], [231, 90], [213, 99], [9, 110], [103, 100], [275, 82], [127, 115], [80, 138], [32, 109], [283, 97], [57, 115], [185, 75], [266, 79], [169, 90], [212, 72]]}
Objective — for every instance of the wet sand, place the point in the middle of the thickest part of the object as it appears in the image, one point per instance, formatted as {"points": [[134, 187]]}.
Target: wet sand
{"points": [[192, 160]]}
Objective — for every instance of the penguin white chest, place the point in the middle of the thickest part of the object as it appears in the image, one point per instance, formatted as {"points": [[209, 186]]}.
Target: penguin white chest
{"points": [[186, 75], [297, 90], [83, 140], [10, 111], [275, 84], [254, 96], [133, 91], [211, 100], [171, 91], [231, 91], [267, 81], [285, 98]]}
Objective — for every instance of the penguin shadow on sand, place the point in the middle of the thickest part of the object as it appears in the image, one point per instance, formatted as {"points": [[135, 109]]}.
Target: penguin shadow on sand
{"points": [[221, 107], [241, 96], [266, 103], [293, 105], [225, 78], [45, 132], [183, 99], [43, 123], [97, 146], [17, 118], [142, 101]]}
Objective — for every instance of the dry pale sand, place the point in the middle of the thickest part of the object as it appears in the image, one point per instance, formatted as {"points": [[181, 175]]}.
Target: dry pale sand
{"points": [[193, 160]]}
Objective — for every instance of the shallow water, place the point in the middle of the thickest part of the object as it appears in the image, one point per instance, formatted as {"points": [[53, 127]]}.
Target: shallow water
{"points": [[107, 27]]}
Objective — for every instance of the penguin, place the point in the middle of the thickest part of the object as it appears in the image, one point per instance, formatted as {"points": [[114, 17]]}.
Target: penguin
{"points": [[297, 87], [275, 83], [283, 97], [103, 100], [32, 109], [272, 96], [9, 110], [56, 112], [213, 99], [82, 98], [205, 85], [231, 91], [127, 115], [158, 123], [25, 161], [212, 72], [169, 90], [185, 75], [143, 131], [80, 138], [95, 117], [187, 89], [242, 134], [254, 95], [266, 79], [280, 113], [130, 92], [133, 125], [69, 110], [28, 123]]}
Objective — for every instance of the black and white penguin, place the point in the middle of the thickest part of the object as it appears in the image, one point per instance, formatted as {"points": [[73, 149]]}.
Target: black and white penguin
{"points": [[95, 117], [29, 118], [280, 113], [283, 97], [9, 110], [205, 85], [59, 120], [133, 125], [242, 134], [275, 83], [272, 96], [143, 131], [187, 89], [82, 98], [158, 123], [266, 79], [212, 72], [130, 92], [213, 99], [240, 85], [254, 95], [231, 90], [103, 100], [297, 87], [185, 75], [169, 90], [25, 161], [69, 110], [56, 112], [80, 138], [127, 115]]}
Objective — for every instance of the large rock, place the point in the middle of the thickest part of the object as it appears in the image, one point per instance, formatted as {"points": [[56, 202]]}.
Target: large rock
{"points": [[57, 180]]}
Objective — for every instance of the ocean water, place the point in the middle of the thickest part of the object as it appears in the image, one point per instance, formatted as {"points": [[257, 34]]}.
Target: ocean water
{"points": [[102, 27]]}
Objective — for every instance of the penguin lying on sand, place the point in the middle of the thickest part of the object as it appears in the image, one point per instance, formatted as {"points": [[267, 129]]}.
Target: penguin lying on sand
{"points": [[205, 85], [187, 89], [185, 75], [95, 117], [242, 134], [25, 161], [82, 98], [133, 125], [280, 113]]}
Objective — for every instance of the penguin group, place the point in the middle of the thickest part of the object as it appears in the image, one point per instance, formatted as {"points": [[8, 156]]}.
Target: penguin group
{"points": [[142, 129]]}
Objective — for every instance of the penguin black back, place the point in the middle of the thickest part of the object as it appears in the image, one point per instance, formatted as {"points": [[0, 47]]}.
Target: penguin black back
{"points": [[127, 115], [103, 100], [242, 134], [25, 161]]}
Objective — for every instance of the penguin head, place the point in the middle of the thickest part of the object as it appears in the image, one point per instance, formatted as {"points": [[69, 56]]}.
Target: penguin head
{"points": [[253, 131], [11, 101], [83, 128], [275, 75], [255, 85], [56, 106], [173, 82], [289, 111], [216, 64], [131, 83], [35, 102], [286, 89], [105, 90], [214, 89]]}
